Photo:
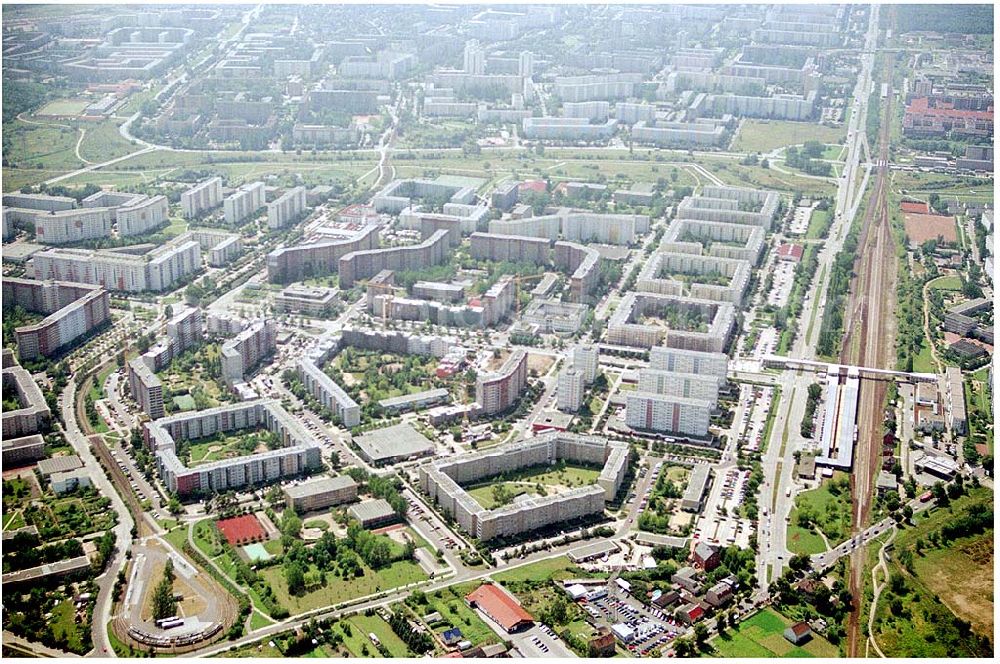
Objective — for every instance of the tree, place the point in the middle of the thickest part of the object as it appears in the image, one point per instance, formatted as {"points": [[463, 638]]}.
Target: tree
{"points": [[700, 633], [502, 495], [295, 577], [164, 604]]}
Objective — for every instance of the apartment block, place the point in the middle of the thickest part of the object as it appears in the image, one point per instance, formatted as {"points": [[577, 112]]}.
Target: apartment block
{"points": [[321, 493], [202, 197], [243, 353], [287, 208], [143, 216], [714, 238], [72, 310], [678, 134], [286, 264], [301, 452], [663, 358], [625, 328], [324, 389], [595, 87], [364, 264], [583, 264], [732, 205], [33, 413], [221, 247], [244, 203], [497, 391], [145, 388], [442, 481], [592, 111], [567, 129], [570, 390], [667, 413], [76, 225], [692, 386], [695, 275], [584, 358]]}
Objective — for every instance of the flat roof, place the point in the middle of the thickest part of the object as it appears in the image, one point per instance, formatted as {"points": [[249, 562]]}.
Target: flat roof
{"points": [[595, 549], [60, 464], [398, 441], [321, 485], [372, 510]]}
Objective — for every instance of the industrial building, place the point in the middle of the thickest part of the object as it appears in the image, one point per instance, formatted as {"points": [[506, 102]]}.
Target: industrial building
{"points": [[400, 442]]}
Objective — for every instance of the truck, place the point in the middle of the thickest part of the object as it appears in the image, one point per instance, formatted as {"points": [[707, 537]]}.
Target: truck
{"points": [[926, 496]]}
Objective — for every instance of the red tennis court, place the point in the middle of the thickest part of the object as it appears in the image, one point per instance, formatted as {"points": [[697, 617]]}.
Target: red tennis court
{"points": [[241, 529]]}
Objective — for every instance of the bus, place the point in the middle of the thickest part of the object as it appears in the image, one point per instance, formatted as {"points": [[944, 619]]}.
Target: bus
{"points": [[926, 496]]}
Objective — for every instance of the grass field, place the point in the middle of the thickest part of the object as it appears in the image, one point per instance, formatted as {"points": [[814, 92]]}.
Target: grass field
{"points": [[339, 590], [64, 625], [819, 224], [553, 568], [41, 146], [766, 135], [762, 636], [830, 508], [950, 282], [955, 579], [363, 625], [102, 141], [64, 107], [923, 362], [527, 480], [804, 540]]}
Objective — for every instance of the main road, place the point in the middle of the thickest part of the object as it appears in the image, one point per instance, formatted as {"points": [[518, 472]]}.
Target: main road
{"points": [[777, 489]]}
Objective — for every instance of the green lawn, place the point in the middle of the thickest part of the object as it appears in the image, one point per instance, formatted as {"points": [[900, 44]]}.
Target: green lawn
{"points": [[40, 146], [64, 107], [950, 282], [830, 508], [762, 636], [923, 362], [381, 629], [527, 480], [63, 625], [553, 568], [819, 224], [259, 620], [339, 590], [804, 540], [766, 135], [102, 141]]}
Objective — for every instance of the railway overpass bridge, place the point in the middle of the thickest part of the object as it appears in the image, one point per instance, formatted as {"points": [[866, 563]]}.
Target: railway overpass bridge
{"points": [[870, 373]]}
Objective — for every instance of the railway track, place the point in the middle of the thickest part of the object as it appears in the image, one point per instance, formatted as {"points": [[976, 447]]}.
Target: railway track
{"points": [[868, 342]]}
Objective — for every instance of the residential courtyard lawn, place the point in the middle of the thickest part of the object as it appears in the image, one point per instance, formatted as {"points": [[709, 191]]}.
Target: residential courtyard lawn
{"points": [[529, 480], [64, 625], [766, 135], [762, 636], [339, 590]]}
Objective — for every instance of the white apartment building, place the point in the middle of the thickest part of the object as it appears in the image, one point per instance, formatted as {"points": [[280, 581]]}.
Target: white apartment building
{"points": [[244, 202], [287, 208], [668, 414], [143, 216], [593, 111], [692, 386], [570, 390], [201, 197], [678, 360], [585, 359], [76, 225]]}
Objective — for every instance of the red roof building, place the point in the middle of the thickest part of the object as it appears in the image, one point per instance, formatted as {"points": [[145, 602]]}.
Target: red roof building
{"points": [[501, 608], [917, 207], [790, 252], [532, 185]]}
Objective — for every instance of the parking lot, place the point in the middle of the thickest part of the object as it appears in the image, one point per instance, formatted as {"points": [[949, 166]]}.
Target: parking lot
{"points": [[653, 628], [781, 288], [540, 641], [756, 402], [719, 524]]}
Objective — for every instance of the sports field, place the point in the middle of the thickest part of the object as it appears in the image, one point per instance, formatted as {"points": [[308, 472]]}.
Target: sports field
{"points": [[762, 636], [64, 107]]}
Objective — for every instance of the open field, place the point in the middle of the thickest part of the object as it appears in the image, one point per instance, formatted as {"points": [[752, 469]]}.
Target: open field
{"points": [[819, 224], [102, 141], [950, 282], [338, 590], [364, 625], [553, 568], [64, 107], [829, 507], [42, 146], [766, 135], [762, 636]]}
